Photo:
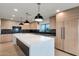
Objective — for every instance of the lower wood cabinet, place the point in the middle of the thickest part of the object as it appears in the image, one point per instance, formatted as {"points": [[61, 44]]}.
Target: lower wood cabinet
{"points": [[6, 38]]}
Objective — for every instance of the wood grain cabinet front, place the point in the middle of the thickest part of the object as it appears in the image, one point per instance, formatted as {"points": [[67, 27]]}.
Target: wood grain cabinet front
{"points": [[6, 38], [69, 20]]}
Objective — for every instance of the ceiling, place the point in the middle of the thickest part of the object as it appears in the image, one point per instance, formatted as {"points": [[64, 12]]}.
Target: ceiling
{"points": [[46, 10]]}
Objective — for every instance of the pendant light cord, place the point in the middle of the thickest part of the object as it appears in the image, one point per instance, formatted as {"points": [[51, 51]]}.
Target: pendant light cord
{"points": [[38, 17], [21, 19], [38, 7], [27, 14]]}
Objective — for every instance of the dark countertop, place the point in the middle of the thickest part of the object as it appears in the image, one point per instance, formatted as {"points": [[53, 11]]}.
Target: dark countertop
{"points": [[48, 35], [9, 31]]}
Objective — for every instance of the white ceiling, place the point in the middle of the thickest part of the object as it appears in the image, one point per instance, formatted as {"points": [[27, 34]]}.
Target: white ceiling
{"points": [[46, 9]]}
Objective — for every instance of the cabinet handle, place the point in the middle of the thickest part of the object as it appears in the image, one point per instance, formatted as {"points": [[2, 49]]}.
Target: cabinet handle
{"points": [[63, 33]]}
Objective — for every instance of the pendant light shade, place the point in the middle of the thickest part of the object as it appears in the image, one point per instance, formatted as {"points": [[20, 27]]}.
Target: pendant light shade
{"points": [[26, 21], [38, 18], [21, 24]]}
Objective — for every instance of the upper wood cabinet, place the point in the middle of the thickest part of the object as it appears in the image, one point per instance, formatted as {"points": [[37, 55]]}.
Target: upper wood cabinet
{"points": [[34, 25], [25, 26], [7, 24]]}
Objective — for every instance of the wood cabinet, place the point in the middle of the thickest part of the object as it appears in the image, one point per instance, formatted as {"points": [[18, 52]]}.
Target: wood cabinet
{"points": [[71, 38], [66, 38], [0, 27], [67, 31], [25, 26], [6, 38], [34, 25], [59, 41]]}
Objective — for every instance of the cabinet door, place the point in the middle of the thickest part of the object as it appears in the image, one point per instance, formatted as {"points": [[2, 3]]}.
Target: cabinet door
{"points": [[6, 38], [59, 41], [70, 42]]}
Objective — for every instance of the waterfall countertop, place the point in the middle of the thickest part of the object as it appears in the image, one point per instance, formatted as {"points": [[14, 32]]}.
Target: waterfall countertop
{"points": [[39, 45], [30, 39]]}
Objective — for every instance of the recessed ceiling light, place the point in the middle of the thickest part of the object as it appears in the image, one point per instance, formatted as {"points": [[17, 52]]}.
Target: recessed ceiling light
{"points": [[57, 10], [61, 13], [13, 15], [15, 10]]}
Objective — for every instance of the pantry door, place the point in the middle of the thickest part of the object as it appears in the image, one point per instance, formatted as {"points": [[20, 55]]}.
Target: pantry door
{"points": [[59, 30], [71, 35]]}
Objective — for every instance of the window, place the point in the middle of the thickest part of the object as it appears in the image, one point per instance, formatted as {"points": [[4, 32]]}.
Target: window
{"points": [[44, 28]]}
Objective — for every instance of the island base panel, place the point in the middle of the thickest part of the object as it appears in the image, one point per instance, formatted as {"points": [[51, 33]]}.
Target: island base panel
{"points": [[23, 47]]}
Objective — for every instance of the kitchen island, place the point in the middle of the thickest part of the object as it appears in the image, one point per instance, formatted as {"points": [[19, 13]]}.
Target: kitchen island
{"points": [[35, 45]]}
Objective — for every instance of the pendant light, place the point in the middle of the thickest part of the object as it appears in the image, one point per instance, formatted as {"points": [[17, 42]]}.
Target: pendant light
{"points": [[27, 18], [21, 21], [26, 21], [38, 18]]}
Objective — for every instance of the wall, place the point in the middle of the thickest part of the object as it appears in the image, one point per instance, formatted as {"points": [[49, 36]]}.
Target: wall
{"points": [[53, 22], [45, 21]]}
